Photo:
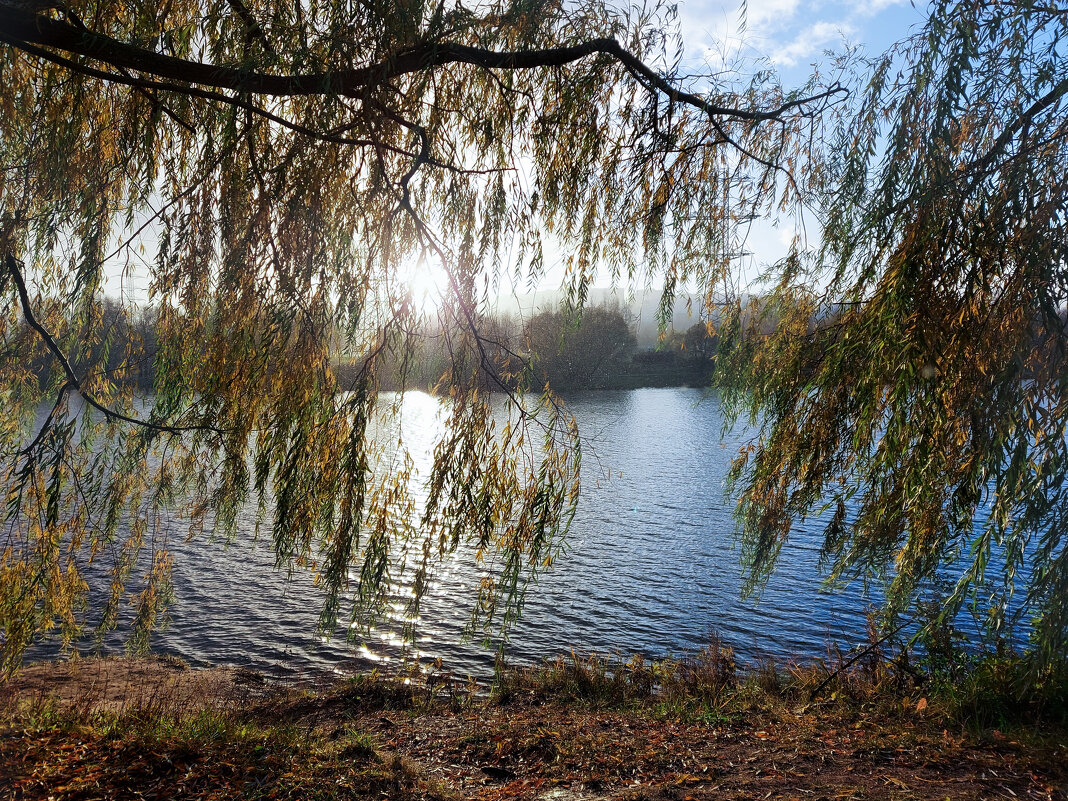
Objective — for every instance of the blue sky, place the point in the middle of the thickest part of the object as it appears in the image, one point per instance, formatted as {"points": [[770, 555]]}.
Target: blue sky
{"points": [[792, 33]]}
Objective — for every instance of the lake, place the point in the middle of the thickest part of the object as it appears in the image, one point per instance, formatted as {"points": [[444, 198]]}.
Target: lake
{"points": [[651, 566]]}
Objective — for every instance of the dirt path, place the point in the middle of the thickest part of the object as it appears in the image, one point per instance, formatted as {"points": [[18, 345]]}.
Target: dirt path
{"points": [[526, 752], [387, 745]]}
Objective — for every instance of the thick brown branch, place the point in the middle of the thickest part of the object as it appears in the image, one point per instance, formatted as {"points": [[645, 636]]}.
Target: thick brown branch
{"points": [[238, 102], [21, 26], [205, 94]]}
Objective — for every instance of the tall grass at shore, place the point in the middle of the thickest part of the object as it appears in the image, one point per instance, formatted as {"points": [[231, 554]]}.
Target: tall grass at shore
{"points": [[992, 691]]}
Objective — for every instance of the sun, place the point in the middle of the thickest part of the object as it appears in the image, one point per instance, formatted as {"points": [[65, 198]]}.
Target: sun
{"points": [[426, 284]]}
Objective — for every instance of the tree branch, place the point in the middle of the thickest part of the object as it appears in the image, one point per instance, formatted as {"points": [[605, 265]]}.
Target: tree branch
{"points": [[21, 27], [979, 167], [73, 382], [252, 27], [193, 92]]}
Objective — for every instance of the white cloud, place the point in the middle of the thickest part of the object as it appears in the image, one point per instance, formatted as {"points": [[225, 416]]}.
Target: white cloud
{"points": [[770, 13], [791, 33], [811, 41], [869, 8], [705, 25], [717, 33], [705, 21]]}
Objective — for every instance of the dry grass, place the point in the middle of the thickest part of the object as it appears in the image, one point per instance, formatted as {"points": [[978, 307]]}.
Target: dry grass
{"points": [[580, 727]]}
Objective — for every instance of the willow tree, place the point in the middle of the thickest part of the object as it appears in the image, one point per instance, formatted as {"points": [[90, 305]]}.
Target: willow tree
{"points": [[274, 166], [916, 388]]}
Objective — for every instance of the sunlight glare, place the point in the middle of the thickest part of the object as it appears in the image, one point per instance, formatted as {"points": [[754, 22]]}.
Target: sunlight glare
{"points": [[427, 285]]}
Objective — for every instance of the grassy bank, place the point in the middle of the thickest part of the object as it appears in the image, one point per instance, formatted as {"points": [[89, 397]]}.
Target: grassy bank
{"points": [[574, 728]]}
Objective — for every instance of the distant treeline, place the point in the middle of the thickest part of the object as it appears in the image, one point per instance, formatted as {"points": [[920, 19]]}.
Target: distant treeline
{"points": [[595, 350], [113, 341]]}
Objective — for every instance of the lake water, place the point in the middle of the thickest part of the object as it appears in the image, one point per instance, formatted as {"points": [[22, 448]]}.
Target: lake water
{"points": [[651, 566]]}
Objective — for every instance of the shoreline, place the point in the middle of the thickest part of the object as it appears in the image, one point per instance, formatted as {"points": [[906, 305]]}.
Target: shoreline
{"points": [[116, 684], [569, 731]]}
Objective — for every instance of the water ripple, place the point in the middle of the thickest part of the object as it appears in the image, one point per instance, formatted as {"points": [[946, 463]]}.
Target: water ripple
{"points": [[652, 566]]}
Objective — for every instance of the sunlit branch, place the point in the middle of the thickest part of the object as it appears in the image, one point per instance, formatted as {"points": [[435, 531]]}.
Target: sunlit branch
{"points": [[486, 363]]}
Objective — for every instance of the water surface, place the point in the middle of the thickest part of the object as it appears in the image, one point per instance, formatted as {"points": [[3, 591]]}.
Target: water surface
{"points": [[651, 566]]}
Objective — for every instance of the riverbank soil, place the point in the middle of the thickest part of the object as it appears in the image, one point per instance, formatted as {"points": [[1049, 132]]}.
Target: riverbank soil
{"points": [[110, 729]]}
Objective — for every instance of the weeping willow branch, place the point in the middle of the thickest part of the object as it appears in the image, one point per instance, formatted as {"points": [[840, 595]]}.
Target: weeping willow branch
{"points": [[73, 381], [22, 27]]}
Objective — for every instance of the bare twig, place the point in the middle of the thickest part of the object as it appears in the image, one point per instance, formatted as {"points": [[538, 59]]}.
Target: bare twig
{"points": [[836, 673]]}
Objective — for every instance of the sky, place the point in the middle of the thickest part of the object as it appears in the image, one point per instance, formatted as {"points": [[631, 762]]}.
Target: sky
{"points": [[793, 34], [796, 37]]}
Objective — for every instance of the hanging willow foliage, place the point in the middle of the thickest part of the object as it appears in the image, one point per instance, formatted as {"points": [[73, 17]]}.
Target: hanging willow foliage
{"points": [[274, 166], [916, 388]]}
